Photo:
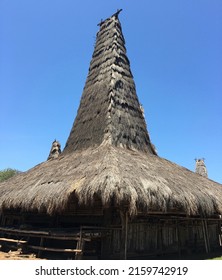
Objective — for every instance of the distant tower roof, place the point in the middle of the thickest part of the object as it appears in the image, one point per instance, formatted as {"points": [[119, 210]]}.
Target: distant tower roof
{"points": [[55, 150], [109, 111], [201, 167]]}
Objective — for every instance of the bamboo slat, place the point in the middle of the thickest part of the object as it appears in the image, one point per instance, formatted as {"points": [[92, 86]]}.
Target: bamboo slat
{"points": [[12, 240]]}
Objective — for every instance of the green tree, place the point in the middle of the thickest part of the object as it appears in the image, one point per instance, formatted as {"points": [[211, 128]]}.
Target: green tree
{"points": [[7, 173]]}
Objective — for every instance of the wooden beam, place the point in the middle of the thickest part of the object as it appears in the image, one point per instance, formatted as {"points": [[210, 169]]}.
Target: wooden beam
{"points": [[13, 240], [11, 230], [45, 234], [55, 249]]}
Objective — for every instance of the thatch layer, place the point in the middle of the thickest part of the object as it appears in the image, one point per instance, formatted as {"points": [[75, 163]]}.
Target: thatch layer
{"points": [[109, 110], [108, 155], [140, 181]]}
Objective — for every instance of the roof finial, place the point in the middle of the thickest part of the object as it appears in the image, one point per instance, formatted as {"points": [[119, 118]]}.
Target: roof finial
{"points": [[101, 22], [55, 150], [117, 13], [201, 167]]}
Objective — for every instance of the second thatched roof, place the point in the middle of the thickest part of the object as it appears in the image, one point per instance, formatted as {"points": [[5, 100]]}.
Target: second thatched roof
{"points": [[141, 181]]}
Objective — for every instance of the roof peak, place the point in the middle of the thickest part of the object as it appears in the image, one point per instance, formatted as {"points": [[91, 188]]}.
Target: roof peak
{"points": [[116, 15], [109, 111]]}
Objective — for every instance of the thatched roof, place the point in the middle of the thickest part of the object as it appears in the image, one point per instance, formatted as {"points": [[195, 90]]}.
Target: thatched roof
{"points": [[108, 155], [109, 110], [143, 181]]}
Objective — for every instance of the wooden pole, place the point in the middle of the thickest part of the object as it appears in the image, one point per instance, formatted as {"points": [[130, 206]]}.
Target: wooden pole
{"points": [[205, 237], [41, 245], [220, 230], [126, 236], [79, 246], [161, 231], [178, 238], [156, 239]]}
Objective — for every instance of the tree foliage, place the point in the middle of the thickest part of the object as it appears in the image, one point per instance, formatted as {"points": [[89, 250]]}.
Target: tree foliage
{"points": [[7, 173]]}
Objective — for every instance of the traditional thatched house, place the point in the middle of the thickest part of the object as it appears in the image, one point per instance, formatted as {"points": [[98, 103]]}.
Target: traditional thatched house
{"points": [[109, 189]]}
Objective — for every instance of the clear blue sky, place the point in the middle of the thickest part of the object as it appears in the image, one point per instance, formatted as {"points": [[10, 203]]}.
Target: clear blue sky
{"points": [[175, 51]]}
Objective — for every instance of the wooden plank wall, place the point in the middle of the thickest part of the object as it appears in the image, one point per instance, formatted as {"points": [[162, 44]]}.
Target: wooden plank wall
{"points": [[165, 237]]}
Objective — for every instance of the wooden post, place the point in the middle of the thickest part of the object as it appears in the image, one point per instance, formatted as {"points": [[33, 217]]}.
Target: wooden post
{"points": [[205, 237], [126, 236], [178, 238], [220, 238], [41, 245], [161, 238], [156, 239], [220, 230], [124, 222], [79, 246]]}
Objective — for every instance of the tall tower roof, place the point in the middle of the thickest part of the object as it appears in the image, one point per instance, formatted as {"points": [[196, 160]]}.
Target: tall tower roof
{"points": [[109, 111]]}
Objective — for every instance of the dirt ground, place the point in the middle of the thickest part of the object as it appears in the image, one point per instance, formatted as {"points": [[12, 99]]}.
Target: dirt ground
{"points": [[16, 255]]}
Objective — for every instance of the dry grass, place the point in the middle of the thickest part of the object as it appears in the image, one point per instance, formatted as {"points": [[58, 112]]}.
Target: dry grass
{"points": [[124, 177], [16, 255]]}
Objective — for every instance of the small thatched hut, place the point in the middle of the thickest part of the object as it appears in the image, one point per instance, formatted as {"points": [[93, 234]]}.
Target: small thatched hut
{"points": [[108, 189]]}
